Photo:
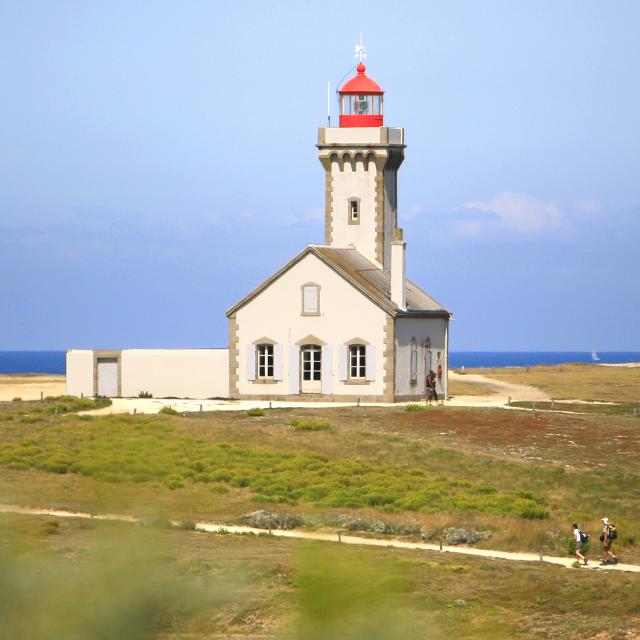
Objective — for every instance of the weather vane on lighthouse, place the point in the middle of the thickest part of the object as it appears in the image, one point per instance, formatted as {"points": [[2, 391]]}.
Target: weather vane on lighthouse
{"points": [[361, 50]]}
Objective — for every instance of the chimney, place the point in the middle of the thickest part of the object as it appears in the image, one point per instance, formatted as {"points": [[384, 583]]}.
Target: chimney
{"points": [[398, 249]]}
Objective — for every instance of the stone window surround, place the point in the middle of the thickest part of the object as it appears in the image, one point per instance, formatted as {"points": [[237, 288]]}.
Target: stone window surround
{"points": [[350, 219], [350, 380], [413, 362], [302, 288], [258, 343]]}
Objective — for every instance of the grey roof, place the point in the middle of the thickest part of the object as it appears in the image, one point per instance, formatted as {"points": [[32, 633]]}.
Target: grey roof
{"points": [[365, 276]]}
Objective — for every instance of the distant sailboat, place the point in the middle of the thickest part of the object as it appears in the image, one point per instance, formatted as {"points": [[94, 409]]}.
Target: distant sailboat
{"points": [[594, 356]]}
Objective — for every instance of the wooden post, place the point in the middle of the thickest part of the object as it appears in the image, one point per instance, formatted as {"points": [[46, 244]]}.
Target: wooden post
{"points": [[440, 544], [200, 408], [339, 537], [41, 396], [541, 555], [534, 406], [358, 401], [552, 404], [509, 401], [269, 404]]}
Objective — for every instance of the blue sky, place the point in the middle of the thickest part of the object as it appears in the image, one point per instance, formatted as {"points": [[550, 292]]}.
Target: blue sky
{"points": [[157, 161]]}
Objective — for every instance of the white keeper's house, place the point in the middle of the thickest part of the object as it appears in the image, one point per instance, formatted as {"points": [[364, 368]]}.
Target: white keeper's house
{"points": [[340, 321]]}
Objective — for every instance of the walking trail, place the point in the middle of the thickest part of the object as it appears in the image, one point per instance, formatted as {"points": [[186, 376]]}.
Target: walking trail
{"points": [[37, 386], [336, 537]]}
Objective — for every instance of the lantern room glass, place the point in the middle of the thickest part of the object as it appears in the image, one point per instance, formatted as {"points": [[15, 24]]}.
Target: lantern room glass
{"points": [[361, 105]]}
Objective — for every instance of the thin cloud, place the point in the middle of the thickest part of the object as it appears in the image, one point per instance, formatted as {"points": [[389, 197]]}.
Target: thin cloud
{"points": [[589, 206], [521, 212]]}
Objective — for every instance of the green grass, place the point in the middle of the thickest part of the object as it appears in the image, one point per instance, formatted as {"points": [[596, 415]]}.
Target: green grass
{"points": [[256, 412], [144, 449], [310, 425], [168, 411], [414, 407]]}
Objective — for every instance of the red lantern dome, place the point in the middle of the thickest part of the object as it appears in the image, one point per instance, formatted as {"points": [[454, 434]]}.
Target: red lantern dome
{"points": [[361, 101]]}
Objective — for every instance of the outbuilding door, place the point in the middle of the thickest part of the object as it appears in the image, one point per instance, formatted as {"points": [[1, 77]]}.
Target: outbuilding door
{"points": [[108, 377], [311, 368]]}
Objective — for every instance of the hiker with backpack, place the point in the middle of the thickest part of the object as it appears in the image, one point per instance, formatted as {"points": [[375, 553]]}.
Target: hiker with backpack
{"points": [[581, 538], [608, 535]]}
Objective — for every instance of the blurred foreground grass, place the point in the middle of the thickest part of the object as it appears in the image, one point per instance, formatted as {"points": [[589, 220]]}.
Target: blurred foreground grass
{"points": [[82, 580]]}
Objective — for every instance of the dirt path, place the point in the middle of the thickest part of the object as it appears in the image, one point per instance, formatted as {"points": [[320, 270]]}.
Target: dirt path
{"points": [[501, 392], [336, 537]]}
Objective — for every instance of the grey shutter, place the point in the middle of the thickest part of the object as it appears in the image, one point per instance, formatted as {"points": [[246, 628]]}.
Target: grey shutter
{"points": [[251, 362], [277, 362], [294, 369], [371, 362], [327, 370], [343, 362]]}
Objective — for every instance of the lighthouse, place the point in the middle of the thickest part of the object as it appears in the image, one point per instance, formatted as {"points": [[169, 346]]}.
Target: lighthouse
{"points": [[340, 321], [361, 158]]}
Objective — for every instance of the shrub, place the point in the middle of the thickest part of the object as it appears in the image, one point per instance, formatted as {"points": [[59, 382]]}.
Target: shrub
{"points": [[310, 425], [17, 399], [256, 412], [51, 527], [145, 394], [414, 407], [168, 411]]}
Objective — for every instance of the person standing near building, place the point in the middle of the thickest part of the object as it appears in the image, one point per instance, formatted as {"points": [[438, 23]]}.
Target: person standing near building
{"points": [[431, 387], [578, 536], [608, 535]]}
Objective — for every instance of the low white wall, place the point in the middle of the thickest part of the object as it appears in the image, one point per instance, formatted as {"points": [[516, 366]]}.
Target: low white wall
{"points": [[180, 373], [79, 372]]}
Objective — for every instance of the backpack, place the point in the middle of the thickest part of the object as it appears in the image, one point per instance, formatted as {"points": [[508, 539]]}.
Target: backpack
{"points": [[584, 537], [613, 532]]}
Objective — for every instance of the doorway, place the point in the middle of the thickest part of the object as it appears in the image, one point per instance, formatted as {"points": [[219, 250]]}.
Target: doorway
{"points": [[108, 377], [311, 358]]}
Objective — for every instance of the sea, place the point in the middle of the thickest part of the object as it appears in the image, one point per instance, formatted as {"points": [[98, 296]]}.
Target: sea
{"points": [[54, 361]]}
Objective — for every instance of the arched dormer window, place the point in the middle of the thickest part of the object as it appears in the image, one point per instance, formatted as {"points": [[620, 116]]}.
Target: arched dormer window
{"points": [[353, 210]]}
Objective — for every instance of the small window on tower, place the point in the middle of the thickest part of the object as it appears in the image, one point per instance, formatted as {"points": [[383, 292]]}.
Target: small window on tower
{"points": [[354, 211]]}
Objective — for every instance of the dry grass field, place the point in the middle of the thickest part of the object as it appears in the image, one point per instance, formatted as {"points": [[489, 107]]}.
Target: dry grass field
{"points": [[30, 387], [575, 381], [522, 476], [459, 387]]}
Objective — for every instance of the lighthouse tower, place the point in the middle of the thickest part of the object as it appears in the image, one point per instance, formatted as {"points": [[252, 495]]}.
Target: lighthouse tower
{"points": [[361, 158]]}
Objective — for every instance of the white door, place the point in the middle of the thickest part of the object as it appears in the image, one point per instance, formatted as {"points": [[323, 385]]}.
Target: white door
{"points": [[108, 377], [311, 369]]}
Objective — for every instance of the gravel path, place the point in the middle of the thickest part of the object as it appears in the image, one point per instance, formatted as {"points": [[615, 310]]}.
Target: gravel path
{"points": [[336, 537]]}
